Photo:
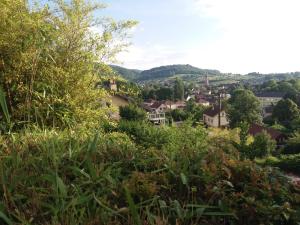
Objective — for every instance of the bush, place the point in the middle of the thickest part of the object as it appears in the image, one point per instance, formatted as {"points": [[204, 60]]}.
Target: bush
{"points": [[293, 145], [132, 112], [262, 146], [289, 163], [179, 115], [145, 134]]}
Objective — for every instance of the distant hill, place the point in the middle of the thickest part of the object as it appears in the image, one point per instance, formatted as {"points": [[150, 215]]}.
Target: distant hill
{"points": [[193, 75], [162, 72], [129, 74], [171, 70]]}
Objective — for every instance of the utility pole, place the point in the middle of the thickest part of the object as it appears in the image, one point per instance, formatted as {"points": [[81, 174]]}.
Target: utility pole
{"points": [[220, 106]]}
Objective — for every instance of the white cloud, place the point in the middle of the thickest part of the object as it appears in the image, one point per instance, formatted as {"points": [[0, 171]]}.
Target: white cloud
{"points": [[149, 55], [256, 35]]}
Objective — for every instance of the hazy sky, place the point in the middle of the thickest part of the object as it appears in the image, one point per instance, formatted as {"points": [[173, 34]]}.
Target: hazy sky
{"points": [[238, 36]]}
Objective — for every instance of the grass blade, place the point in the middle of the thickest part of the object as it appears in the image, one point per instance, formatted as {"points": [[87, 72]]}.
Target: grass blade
{"points": [[132, 208], [5, 218], [4, 105]]}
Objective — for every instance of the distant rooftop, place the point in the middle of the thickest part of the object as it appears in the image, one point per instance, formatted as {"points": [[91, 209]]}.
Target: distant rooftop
{"points": [[256, 129], [270, 95], [213, 111]]}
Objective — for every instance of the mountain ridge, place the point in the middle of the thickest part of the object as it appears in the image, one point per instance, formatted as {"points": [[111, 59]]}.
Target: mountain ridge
{"points": [[162, 72]]}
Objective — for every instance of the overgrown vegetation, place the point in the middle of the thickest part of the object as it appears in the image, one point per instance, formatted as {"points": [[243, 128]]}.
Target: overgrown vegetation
{"points": [[53, 177], [63, 161], [47, 61]]}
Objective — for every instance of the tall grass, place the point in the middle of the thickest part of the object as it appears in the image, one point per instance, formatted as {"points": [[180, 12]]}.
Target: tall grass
{"points": [[63, 177], [4, 108]]}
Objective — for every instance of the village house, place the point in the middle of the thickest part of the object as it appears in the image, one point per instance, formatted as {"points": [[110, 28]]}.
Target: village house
{"points": [[162, 106], [115, 100], [158, 118], [212, 115], [268, 100], [176, 105], [148, 102], [203, 102], [274, 134], [158, 106], [155, 111]]}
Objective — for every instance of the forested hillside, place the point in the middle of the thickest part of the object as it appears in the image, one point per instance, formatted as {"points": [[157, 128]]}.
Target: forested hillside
{"points": [[163, 72], [169, 71], [129, 74], [193, 74]]}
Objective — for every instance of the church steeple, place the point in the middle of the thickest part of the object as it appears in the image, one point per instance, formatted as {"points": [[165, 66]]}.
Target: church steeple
{"points": [[206, 80]]}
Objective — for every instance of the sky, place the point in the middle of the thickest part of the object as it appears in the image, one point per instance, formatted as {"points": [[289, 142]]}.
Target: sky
{"points": [[237, 36]]}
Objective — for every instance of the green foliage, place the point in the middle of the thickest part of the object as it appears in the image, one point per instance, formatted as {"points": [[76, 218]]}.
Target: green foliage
{"points": [[279, 127], [285, 111], [262, 146], [158, 93], [195, 111], [128, 74], [59, 168], [187, 181], [191, 112], [47, 61], [145, 134], [132, 112], [288, 163], [171, 70], [243, 106], [242, 146], [164, 93], [5, 125], [289, 87], [293, 144], [178, 89], [179, 115]]}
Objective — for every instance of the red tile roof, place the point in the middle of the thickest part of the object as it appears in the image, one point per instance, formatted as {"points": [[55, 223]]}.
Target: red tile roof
{"points": [[275, 134], [156, 105]]}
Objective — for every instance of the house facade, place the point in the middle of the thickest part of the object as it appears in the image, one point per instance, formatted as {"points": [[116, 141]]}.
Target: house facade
{"points": [[158, 118], [268, 100], [117, 101], [203, 102], [211, 117]]}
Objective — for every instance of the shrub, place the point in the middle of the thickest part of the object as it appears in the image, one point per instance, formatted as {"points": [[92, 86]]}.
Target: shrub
{"points": [[293, 145], [289, 163], [132, 112], [262, 146], [145, 134]]}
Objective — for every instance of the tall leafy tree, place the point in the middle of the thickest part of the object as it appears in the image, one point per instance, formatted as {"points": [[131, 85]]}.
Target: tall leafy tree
{"points": [[285, 111], [178, 89], [47, 60], [243, 106], [164, 93]]}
